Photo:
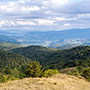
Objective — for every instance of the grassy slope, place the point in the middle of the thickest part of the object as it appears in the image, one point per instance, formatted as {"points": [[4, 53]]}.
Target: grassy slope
{"points": [[57, 82]]}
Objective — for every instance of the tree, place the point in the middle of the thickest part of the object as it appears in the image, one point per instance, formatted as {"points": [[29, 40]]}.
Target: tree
{"points": [[33, 69], [15, 72], [86, 73]]}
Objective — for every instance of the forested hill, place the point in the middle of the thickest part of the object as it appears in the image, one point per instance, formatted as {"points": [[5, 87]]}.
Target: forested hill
{"points": [[11, 60], [34, 52], [57, 59]]}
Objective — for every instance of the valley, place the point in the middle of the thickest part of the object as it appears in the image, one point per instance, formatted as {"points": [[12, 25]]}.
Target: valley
{"points": [[45, 60], [44, 44], [52, 39]]}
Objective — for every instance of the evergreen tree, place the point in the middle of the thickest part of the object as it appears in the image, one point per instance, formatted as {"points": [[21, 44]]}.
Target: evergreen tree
{"points": [[33, 69]]}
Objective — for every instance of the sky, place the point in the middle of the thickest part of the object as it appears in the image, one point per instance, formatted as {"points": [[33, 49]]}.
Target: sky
{"points": [[44, 15]]}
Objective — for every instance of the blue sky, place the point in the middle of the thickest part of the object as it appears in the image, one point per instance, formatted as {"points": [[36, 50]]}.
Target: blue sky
{"points": [[44, 14]]}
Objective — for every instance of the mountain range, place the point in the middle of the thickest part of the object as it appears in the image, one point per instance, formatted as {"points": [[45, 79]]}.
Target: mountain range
{"points": [[53, 39]]}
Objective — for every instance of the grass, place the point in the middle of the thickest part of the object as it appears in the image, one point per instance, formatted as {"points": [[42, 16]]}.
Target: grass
{"points": [[56, 82]]}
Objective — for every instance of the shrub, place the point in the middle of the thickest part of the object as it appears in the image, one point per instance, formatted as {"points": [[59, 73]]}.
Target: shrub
{"points": [[74, 72], [86, 73], [33, 69], [3, 77], [15, 73], [50, 72], [80, 69], [10, 77]]}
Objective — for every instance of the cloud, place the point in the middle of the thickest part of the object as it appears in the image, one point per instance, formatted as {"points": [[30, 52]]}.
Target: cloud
{"points": [[67, 24], [25, 23], [4, 23], [42, 14], [44, 22], [16, 8], [55, 3], [28, 9]]}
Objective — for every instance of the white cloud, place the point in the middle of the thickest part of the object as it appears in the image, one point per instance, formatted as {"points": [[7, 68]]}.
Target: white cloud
{"points": [[8, 7], [23, 1], [41, 14], [6, 23], [55, 3], [28, 9], [25, 23], [17, 8], [59, 2], [67, 24], [2, 23], [65, 19], [45, 22]]}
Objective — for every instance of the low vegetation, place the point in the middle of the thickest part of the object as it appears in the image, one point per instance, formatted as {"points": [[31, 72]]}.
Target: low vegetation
{"points": [[78, 71], [33, 70]]}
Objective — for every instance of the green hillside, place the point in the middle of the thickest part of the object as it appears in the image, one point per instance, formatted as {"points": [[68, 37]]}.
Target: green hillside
{"points": [[57, 59], [38, 53], [13, 66], [10, 60]]}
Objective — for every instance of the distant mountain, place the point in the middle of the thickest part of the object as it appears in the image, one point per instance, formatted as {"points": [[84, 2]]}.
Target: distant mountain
{"points": [[8, 39], [55, 35], [9, 46], [57, 59], [69, 43], [66, 38]]}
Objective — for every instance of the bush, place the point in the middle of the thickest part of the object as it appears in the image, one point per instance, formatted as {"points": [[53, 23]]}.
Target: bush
{"points": [[6, 71], [15, 73], [3, 77], [86, 73], [10, 77], [33, 69], [80, 69], [49, 72], [74, 72]]}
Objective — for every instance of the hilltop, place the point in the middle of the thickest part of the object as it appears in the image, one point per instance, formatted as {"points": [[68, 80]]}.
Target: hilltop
{"points": [[56, 82]]}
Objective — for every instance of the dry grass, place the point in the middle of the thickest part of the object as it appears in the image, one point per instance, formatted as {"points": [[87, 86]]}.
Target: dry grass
{"points": [[56, 82], [68, 69]]}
